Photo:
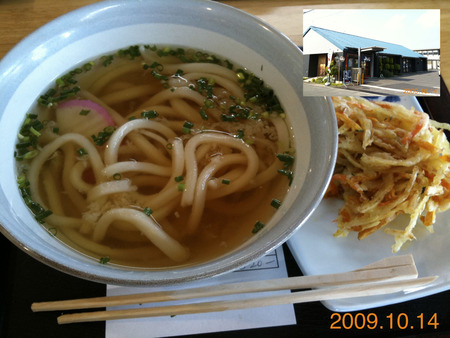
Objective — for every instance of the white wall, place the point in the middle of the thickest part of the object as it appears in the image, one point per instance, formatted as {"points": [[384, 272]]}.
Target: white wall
{"points": [[314, 43]]}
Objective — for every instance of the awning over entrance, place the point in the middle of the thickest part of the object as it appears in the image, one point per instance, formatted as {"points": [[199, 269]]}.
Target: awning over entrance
{"points": [[373, 49]]}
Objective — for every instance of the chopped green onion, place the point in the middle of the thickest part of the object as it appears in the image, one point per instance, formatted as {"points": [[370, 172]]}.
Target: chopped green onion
{"points": [[287, 159], [225, 181], [169, 146], [36, 124], [159, 76], [203, 114], [181, 186], [49, 98], [157, 65], [88, 66], [238, 112], [103, 136], [117, 176], [187, 127], [188, 124], [179, 178], [31, 154], [42, 215], [22, 180], [203, 85], [240, 134], [66, 80], [186, 56], [38, 211], [23, 138], [24, 144], [147, 211], [60, 82], [209, 103], [275, 203], [104, 260], [257, 92], [35, 132], [84, 112], [258, 226], [82, 152], [149, 114], [229, 64], [166, 50], [55, 130], [107, 60], [288, 173], [285, 172], [131, 52]]}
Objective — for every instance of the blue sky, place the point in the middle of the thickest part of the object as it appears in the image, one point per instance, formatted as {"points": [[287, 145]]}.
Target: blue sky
{"points": [[412, 28]]}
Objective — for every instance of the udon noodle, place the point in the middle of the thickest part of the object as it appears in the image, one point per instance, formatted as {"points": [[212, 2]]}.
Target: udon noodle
{"points": [[155, 157]]}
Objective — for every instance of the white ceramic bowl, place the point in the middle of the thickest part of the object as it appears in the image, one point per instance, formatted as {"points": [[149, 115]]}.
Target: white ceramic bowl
{"points": [[103, 27]]}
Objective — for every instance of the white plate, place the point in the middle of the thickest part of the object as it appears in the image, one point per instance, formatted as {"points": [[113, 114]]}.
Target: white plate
{"points": [[318, 252]]}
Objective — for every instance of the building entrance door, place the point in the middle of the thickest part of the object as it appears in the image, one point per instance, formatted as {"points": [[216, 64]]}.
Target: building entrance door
{"points": [[367, 69], [406, 65], [322, 65]]}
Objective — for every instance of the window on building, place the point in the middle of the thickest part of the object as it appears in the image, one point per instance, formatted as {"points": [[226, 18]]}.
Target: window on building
{"points": [[406, 66]]}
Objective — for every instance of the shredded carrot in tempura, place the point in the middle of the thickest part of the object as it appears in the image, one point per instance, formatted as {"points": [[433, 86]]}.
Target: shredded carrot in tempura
{"points": [[391, 160]]}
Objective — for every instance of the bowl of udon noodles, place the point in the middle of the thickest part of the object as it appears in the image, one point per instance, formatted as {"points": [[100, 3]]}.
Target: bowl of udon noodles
{"points": [[158, 142]]}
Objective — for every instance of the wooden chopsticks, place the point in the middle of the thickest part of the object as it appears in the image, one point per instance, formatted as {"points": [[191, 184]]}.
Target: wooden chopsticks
{"points": [[293, 298], [389, 275]]}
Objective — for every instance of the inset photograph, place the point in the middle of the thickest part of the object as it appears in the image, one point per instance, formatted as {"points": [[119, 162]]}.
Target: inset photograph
{"points": [[371, 52]]}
